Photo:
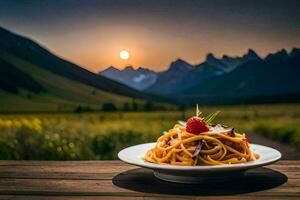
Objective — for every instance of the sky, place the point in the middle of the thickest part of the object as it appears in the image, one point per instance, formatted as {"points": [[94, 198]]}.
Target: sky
{"points": [[91, 33]]}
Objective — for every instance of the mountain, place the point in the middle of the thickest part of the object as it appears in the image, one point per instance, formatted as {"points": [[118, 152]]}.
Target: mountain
{"points": [[215, 62], [240, 79], [295, 52], [170, 79], [139, 79], [34, 79], [232, 62], [12, 78], [279, 56], [28, 50], [273, 79], [245, 79], [179, 66], [181, 75]]}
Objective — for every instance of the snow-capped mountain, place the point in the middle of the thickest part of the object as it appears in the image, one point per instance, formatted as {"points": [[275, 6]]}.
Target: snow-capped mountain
{"points": [[174, 79], [139, 79], [218, 80]]}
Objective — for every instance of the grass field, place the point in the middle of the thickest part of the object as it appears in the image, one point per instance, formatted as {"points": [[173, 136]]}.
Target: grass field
{"points": [[102, 135], [63, 94]]}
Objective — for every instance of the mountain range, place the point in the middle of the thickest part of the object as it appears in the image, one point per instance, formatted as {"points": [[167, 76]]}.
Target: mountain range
{"points": [[34, 79], [191, 76], [245, 79], [139, 79]]}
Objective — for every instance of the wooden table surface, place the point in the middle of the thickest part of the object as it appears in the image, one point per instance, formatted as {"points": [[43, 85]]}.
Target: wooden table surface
{"points": [[116, 180]]}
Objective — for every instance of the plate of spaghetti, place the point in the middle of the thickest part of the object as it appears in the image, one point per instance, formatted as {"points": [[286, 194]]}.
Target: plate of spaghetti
{"points": [[198, 150]]}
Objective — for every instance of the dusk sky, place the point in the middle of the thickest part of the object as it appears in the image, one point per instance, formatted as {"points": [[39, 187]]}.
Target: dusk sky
{"points": [[92, 33]]}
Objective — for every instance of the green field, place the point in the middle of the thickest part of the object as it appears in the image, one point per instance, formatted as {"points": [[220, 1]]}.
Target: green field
{"points": [[102, 135], [63, 94]]}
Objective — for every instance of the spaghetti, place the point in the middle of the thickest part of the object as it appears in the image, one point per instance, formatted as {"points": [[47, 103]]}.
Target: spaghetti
{"points": [[218, 145]]}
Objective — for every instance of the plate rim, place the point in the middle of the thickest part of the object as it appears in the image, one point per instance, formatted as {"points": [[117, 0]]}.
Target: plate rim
{"points": [[168, 167]]}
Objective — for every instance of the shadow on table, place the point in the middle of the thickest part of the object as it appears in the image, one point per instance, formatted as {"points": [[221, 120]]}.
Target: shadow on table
{"points": [[143, 180]]}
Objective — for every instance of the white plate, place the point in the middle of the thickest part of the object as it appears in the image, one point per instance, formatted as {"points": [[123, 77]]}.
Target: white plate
{"points": [[195, 174]]}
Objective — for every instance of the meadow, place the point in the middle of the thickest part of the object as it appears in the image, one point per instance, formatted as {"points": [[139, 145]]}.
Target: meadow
{"points": [[100, 135]]}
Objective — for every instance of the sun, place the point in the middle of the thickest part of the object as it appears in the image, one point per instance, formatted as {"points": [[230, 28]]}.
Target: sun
{"points": [[124, 55]]}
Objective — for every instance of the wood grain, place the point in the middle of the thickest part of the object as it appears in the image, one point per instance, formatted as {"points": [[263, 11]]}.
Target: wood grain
{"points": [[117, 180]]}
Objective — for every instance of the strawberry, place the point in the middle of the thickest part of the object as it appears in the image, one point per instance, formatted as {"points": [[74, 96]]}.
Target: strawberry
{"points": [[196, 125]]}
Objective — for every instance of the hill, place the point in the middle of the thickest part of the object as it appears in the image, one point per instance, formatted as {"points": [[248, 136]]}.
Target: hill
{"points": [[34, 79], [29, 50]]}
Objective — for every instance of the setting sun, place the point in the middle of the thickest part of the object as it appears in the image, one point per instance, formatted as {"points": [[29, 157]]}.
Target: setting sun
{"points": [[124, 55]]}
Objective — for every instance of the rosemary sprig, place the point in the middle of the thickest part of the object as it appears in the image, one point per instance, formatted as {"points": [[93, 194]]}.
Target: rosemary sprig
{"points": [[209, 118], [198, 112]]}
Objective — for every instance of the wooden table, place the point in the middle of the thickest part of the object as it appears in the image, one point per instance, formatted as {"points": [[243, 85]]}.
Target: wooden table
{"points": [[116, 180]]}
